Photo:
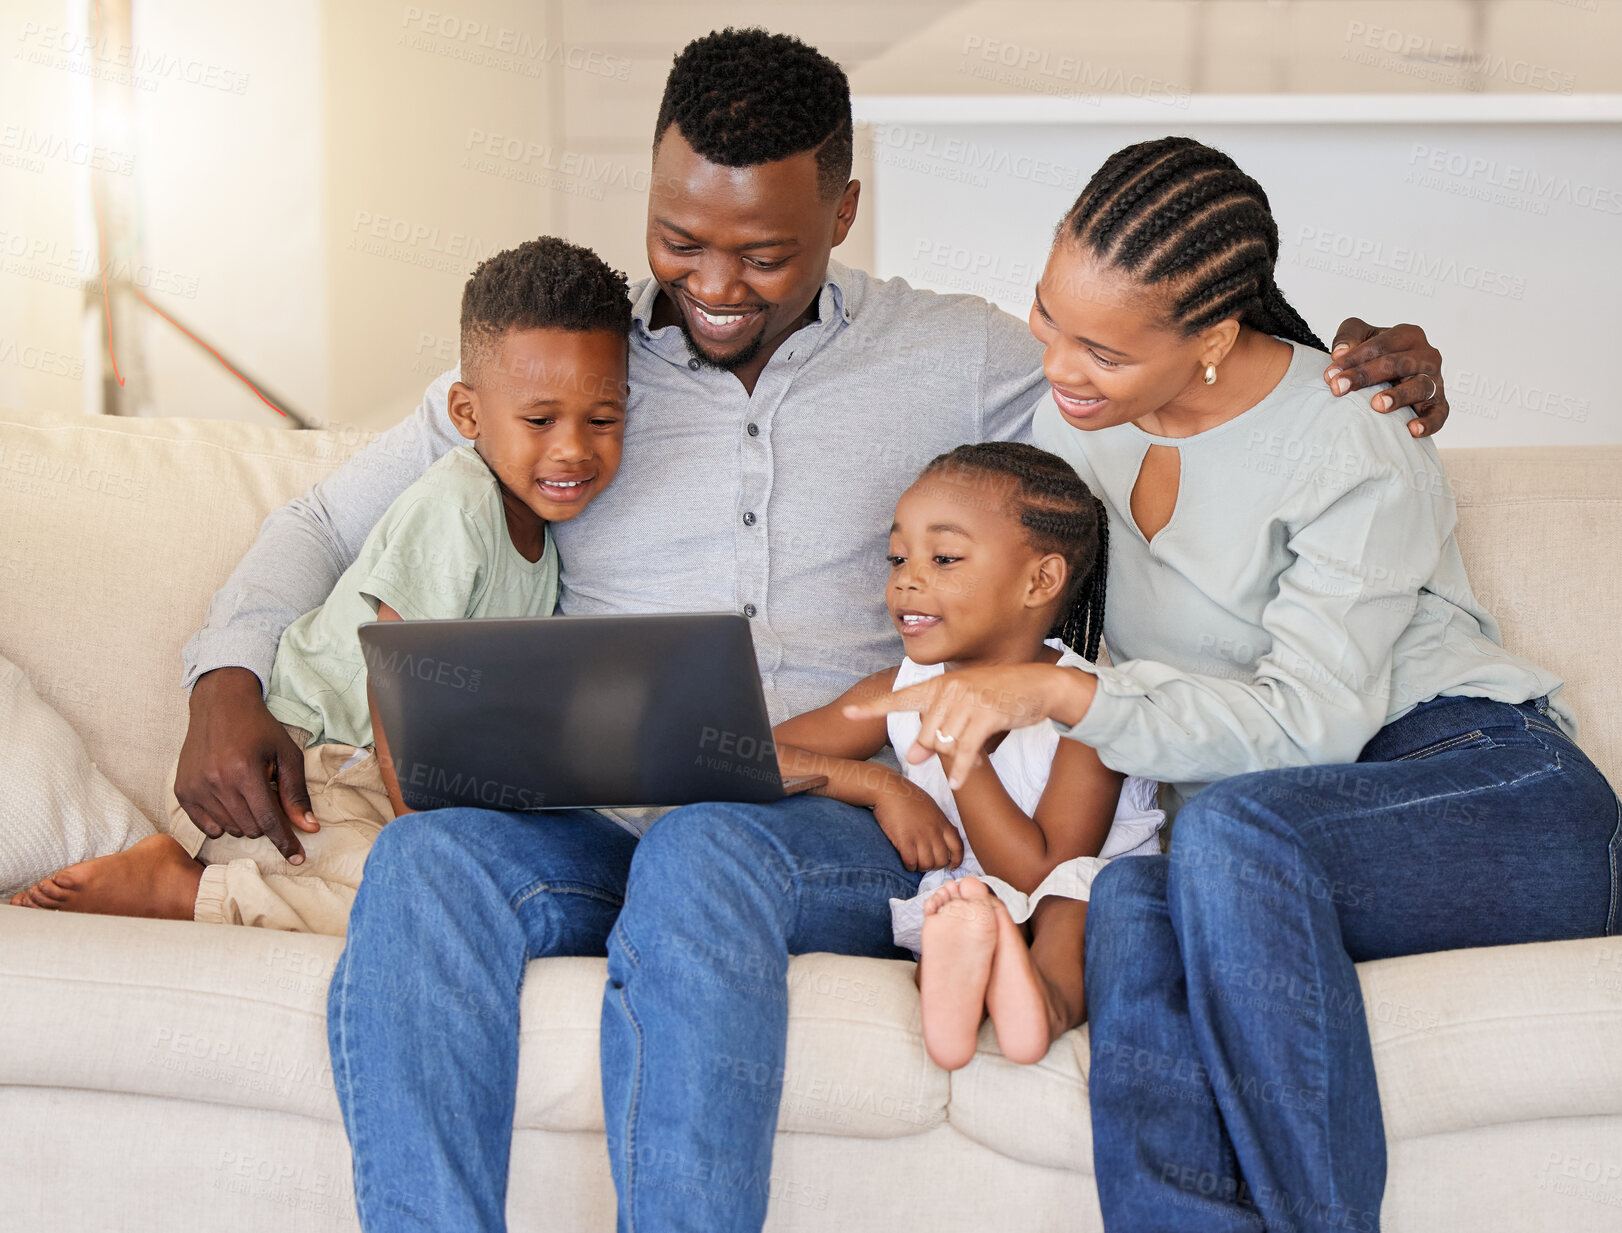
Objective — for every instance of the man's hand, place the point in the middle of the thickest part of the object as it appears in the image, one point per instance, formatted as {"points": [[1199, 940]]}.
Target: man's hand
{"points": [[914, 824], [240, 773], [1366, 355]]}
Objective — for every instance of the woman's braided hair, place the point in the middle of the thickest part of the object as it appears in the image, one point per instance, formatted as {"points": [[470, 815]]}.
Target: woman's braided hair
{"points": [[1176, 211], [1060, 514]]}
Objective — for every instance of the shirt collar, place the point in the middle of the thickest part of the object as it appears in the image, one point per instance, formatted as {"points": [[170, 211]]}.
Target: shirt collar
{"points": [[836, 306]]}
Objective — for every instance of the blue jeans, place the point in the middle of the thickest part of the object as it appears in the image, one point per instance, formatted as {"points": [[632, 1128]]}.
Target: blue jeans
{"points": [[1232, 1082], [720, 897], [422, 1011], [423, 1008]]}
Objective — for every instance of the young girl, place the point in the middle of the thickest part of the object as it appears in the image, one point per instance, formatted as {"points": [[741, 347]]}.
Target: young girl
{"points": [[996, 548]]}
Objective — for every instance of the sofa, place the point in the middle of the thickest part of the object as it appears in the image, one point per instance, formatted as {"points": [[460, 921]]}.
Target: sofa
{"points": [[169, 1077]]}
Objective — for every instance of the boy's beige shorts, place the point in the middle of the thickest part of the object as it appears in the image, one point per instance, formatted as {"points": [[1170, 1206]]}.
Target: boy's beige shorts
{"points": [[248, 882]]}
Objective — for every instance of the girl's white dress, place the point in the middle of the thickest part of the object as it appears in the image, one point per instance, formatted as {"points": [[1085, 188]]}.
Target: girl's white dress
{"points": [[1023, 762]]}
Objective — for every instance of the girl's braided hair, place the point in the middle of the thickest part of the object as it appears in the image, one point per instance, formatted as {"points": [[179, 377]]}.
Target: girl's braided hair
{"points": [[1060, 514], [1176, 211]]}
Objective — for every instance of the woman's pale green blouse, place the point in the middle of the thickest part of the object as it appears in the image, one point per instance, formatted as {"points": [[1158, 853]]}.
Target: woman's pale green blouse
{"points": [[1307, 590]]}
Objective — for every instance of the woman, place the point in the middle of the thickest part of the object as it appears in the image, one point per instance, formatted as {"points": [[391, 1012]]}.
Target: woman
{"points": [[1292, 626]]}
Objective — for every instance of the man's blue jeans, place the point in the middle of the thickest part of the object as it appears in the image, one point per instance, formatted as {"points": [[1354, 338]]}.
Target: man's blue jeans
{"points": [[1232, 1082], [423, 1007]]}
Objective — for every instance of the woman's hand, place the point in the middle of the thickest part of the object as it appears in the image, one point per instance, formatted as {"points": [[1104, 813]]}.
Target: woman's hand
{"points": [[962, 710], [915, 826]]}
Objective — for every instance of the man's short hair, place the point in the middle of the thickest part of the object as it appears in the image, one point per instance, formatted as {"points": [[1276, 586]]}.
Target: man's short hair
{"points": [[746, 97], [541, 284]]}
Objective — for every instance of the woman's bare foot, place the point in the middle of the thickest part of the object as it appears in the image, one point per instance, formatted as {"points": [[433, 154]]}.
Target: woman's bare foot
{"points": [[153, 878], [1017, 996], [960, 935]]}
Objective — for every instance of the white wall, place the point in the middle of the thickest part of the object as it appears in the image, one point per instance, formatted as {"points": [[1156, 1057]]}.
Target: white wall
{"points": [[1503, 239], [229, 145]]}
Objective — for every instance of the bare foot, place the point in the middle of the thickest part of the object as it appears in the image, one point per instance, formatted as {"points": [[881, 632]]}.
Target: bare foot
{"points": [[960, 934], [1017, 996], [153, 878]]}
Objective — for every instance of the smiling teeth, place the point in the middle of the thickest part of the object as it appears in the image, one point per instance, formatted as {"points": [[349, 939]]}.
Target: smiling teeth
{"points": [[563, 483], [914, 620], [719, 318]]}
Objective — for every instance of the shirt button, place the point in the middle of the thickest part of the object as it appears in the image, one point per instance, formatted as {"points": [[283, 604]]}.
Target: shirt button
{"points": [[749, 518], [693, 364], [753, 430], [749, 610]]}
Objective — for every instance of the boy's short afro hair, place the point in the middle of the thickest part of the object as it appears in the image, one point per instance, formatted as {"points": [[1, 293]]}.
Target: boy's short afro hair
{"points": [[746, 97], [541, 284]]}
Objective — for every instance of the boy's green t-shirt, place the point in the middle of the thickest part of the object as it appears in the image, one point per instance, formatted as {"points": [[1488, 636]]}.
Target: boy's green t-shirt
{"points": [[441, 551]]}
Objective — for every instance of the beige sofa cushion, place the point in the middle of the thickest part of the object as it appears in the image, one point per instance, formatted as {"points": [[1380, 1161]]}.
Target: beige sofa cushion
{"points": [[237, 1016], [1541, 534], [127, 528]]}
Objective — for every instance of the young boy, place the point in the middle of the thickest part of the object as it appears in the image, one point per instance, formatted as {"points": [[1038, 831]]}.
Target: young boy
{"points": [[545, 330]]}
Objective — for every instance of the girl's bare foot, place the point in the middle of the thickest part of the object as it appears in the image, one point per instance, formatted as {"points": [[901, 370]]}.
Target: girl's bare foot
{"points": [[1016, 995], [153, 878], [960, 934]]}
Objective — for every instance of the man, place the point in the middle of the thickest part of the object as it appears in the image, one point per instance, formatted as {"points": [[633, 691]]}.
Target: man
{"points": [[780, 403]]}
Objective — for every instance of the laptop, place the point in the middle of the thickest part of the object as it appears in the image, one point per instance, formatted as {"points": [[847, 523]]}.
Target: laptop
{"points": [[567, 712]]}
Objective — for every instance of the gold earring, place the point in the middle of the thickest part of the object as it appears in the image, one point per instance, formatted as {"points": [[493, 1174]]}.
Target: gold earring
{"points": [[1210, 374]]}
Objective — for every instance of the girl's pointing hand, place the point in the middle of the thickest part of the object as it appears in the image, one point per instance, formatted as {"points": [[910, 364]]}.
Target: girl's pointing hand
{"points": [[962, 710]]}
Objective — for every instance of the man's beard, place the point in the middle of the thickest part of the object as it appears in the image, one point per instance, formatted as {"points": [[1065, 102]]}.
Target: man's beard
{"points": [[730, 363]]}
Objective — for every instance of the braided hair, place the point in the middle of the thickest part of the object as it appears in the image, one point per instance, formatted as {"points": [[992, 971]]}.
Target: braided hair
{"points": [[1178, 212], [1060, 514]]}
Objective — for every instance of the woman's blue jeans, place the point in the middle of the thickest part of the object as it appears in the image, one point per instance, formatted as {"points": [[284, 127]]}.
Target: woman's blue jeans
{"points": [[1232, 1081]]}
